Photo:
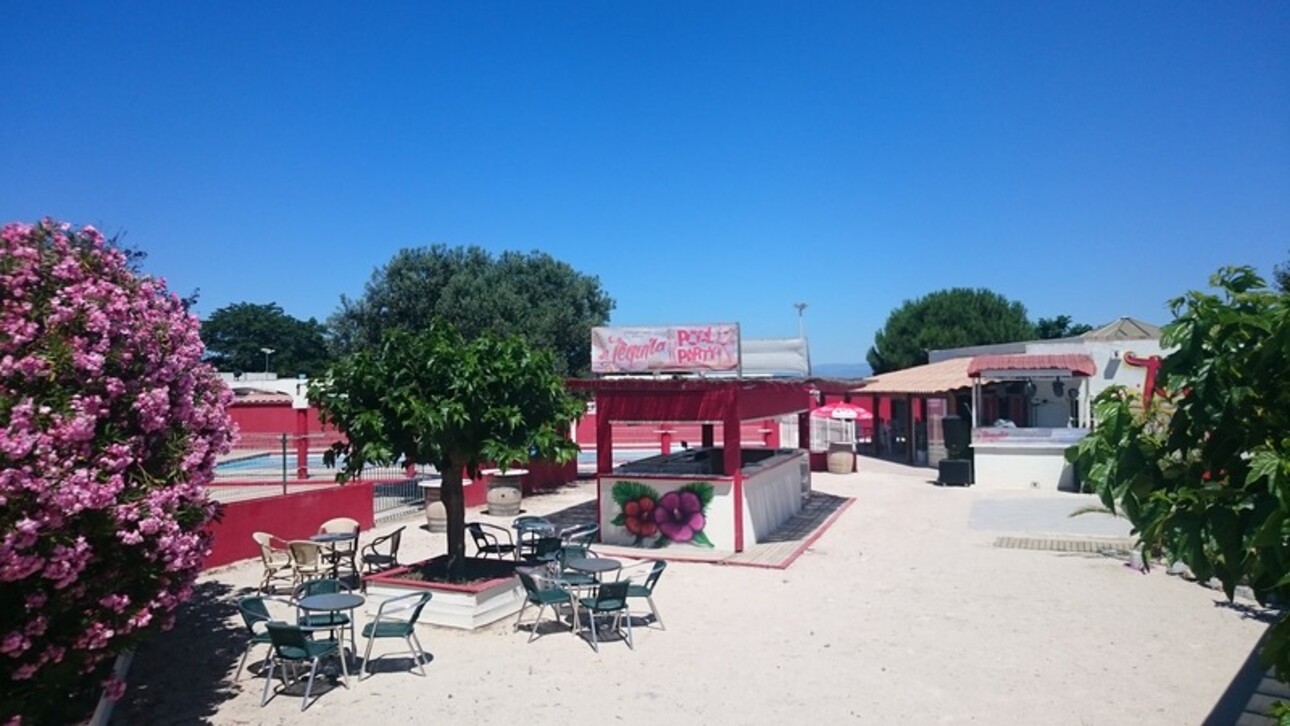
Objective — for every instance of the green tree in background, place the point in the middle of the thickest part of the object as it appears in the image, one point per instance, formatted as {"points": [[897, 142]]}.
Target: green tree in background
{"points": [[436, 398], [534, 296], [1059, 327], [235, 336], [946, 319], [1203, 471], [1281, 274]]}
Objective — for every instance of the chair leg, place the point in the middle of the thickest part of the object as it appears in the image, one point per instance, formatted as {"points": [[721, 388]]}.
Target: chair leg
{"points": [[520, 617], [268, 681], [367, 658], [595, 640], [628, 618], [242, 665], [313, 669], [421, 652], [654, 611], [536, 621], [344, 668]]}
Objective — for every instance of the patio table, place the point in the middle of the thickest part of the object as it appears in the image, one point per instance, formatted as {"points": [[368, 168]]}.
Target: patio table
{"points": [[333, 602], [330, 539], [596, 566]]}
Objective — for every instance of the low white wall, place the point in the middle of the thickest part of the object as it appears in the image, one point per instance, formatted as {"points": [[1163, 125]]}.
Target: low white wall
{"points": [[772, 497], [1030, 467]]}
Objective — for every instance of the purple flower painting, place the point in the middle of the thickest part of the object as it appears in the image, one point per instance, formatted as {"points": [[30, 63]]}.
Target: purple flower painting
{"points": [[679, 516]]}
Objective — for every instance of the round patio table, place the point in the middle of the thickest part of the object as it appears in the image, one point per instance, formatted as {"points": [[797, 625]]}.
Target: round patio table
{"points": [[593, 565], [330, 539], [333, 602]]}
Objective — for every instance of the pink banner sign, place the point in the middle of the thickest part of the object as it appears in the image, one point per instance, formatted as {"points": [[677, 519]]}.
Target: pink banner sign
{"points": [[671, 348]]}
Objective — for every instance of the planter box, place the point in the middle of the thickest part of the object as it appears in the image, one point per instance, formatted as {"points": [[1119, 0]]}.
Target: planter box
{"points": [[466, 607]]}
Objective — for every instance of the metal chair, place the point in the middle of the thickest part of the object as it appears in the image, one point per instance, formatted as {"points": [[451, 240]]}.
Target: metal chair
{"points": [[552, 596], [255, 614], [646, 588], [388, 624], [580, 534], [374, 559], [276, 559], [306, 560], [528, 530], [610, 599], [340, 552], [487, 543], [292, 645]]}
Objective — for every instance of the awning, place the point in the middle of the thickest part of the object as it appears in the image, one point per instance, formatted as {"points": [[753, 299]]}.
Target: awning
{"points": [[941, 377], [1037, 364]]}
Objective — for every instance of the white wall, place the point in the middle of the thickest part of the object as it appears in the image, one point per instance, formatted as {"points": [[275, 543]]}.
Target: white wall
{"points": [[1108, 355]]}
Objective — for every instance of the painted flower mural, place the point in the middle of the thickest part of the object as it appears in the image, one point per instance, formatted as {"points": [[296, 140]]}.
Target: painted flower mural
{"points": [[678, 516]]}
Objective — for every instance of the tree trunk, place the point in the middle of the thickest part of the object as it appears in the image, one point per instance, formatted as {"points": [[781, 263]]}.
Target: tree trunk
{"points": [[454, 504]]}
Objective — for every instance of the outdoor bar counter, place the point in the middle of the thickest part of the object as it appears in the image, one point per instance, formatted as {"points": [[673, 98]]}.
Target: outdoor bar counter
{"points": [[1025, 458], [696, 497]]}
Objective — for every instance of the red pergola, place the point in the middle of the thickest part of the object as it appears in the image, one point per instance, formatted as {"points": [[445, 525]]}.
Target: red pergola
{"points": [[704, 401]]}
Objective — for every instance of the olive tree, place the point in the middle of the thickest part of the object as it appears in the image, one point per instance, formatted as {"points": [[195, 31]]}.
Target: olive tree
{"points": [[1203, 470], [946, 319], [534, 296], [436, 398]]}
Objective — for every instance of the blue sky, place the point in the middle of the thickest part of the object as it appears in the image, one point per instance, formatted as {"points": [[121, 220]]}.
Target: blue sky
{"points": [[708, 161]]}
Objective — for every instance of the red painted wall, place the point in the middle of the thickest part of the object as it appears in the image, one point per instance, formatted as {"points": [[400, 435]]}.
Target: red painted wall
{"points": [[647, 435], [290, 516]]}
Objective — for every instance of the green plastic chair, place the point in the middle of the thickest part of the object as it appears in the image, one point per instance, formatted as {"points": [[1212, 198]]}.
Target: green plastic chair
{"points": [[552, 596], [254, 615], [293, 645], [573, 577], [388, 625], [322, 621], [545, 549], [646, 589], [610, 599]]}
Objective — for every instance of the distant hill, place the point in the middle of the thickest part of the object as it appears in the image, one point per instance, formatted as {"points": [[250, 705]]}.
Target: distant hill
{"points": [[841, 370]]}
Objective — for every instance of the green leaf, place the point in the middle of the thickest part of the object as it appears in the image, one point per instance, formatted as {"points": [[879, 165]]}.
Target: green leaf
{"points": [[659, 543], [628, 491], [701, 539], [703, 490], [619, 521]]}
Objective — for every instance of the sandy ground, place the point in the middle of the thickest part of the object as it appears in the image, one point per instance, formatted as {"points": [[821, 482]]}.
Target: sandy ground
{"points": [[902, 612]]}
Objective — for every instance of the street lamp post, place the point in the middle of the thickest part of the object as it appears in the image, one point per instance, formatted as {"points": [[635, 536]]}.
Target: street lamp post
{"points": [[801, 326], [267, 352]]}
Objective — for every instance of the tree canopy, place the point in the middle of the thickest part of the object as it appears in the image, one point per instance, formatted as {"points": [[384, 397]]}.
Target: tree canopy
{"points": [[1059, 327], [1281, 275], [541, 299], [436, 398], [235, 336], [946, 319], [1203, 470]]}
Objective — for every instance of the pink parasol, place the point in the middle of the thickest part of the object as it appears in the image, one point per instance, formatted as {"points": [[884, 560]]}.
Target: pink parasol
{"points": [[843, 412]]}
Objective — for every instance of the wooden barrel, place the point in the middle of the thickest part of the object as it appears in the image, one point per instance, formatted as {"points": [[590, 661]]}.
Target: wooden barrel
{"points": [[841, 458]]}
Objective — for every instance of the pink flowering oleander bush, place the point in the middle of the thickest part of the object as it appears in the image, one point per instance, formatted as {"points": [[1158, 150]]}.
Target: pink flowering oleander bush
{"points": [[110, 426]]}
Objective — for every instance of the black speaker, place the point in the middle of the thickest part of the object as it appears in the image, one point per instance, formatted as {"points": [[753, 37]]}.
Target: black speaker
{"points": [[958, 436], [954, 471]]}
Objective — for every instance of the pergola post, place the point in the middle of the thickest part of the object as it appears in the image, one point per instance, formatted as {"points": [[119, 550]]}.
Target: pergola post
{"points": [[731, 458], [604, 445]]}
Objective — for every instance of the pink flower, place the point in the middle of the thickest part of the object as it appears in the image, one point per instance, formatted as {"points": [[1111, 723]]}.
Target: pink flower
{"points": [[110, 426]]}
